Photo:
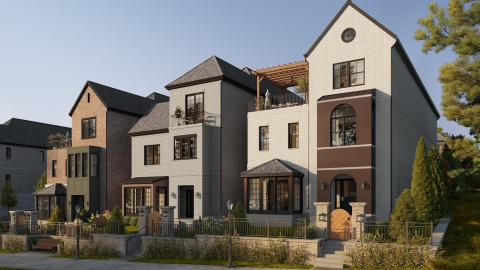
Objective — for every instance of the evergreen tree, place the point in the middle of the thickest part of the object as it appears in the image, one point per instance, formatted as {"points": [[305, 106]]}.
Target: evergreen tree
{"points": [[42, 181], [457, 28], [439, 177], [423, 193], [56, 216], [238, 211], [116, 221], [8, 198], [404, 212]]}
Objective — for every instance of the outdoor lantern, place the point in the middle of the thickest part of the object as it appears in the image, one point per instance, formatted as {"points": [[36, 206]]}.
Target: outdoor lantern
{"points": [[77, 209], [360, 218], [198, 195], [174, 195], [322, 217], [229, 205], [324, 186]]}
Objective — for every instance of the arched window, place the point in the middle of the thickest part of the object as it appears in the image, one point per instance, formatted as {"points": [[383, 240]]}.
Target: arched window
{"points": [[343, 126]]}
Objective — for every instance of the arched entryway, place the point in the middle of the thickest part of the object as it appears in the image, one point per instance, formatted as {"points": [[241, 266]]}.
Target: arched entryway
{"points": [[344, 191]]}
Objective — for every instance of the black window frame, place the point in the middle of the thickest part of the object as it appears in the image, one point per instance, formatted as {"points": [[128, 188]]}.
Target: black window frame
{"points": [[192, 152], [84, 164], [93, 161], [343, 118], [71, 165], [263, 138], [78, 164], [8, 179], [195, 114], [151, 154], [8, 153], [349, 74], [89, 131], [293, 138], [347, 31], [54, 168]]}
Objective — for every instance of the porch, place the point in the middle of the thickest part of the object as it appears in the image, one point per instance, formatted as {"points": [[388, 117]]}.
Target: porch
{"points": [[144, 191], [47, 199]]}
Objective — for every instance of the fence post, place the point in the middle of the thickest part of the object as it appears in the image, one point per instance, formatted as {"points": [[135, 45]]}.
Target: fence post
{"points": [[431, 232]]}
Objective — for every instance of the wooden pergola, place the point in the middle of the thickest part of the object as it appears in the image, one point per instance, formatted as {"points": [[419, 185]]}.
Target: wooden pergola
{"points": [[283, 76]]}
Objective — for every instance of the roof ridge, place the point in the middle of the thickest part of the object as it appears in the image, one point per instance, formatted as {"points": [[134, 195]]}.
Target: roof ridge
{"points": [[119, 90], [31, 121], [188, 71]]}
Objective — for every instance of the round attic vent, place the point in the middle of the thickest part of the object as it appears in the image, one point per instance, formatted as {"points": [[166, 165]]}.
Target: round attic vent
{"points": [[348, 34]]}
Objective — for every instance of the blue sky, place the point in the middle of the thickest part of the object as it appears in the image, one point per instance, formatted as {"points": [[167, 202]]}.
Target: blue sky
{"points": [[48, 49]]}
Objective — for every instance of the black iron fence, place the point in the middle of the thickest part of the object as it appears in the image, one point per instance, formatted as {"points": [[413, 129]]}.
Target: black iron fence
{"points": [[300, 229], [408, 232], [276, 101], [85, 230]]}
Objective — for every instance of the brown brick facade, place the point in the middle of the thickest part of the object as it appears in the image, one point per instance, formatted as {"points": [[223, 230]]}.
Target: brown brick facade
{"points": [[60, 155]]}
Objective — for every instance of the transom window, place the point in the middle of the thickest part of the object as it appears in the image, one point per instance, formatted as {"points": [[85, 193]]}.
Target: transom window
{"points": [[350, 73], [185, 147], [293, 135], [263, 138], [89, 128], [343, 126], [151, 154]]}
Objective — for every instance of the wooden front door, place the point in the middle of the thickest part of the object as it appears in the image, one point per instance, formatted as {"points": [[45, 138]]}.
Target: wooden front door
{"points": [[341, 225]]}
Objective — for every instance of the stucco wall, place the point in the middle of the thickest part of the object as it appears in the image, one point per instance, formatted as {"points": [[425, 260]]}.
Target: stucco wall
{"points": [[412, 118], [373, 44]]}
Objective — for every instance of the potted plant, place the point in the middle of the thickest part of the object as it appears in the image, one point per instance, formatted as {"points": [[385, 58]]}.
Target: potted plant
{"points": [[178, 114]]}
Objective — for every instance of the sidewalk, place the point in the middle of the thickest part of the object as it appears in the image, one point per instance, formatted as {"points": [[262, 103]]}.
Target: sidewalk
{"points": [[44, 261]]}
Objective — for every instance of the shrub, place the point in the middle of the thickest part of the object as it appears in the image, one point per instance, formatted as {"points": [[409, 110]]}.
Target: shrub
{"points": [[14, 243], [439, 180], [57, 215], [133, 221], [165, 249], [404, 212], [88, 249], [116, 221], [374, 255], [238, 211]]}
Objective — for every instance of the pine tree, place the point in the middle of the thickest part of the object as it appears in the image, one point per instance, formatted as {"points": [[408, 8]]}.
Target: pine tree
{"points": [[457, 28], [404, 212], [8, 198], [423, 193], [116, 221]]}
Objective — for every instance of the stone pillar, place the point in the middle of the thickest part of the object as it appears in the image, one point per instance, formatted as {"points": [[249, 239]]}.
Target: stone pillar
{"points": [[322, 217], [166, 213], [143, 216], [32, 217], [358, 217], [167, 221]]}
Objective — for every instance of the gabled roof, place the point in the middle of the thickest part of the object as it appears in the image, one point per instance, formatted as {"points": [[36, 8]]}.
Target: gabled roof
{"points": [[118, 100], [53, 190], [214, 69], [156, 121], [339, 13], [29, 133], [397, 44], [274, 167]]}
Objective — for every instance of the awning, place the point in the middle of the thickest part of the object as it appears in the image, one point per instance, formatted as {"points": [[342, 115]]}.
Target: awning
{"points": [[53, 190], [274, 167]]}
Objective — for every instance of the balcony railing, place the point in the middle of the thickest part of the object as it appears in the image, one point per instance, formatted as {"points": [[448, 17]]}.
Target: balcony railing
{"points": [[195, 118], [283, 100]]}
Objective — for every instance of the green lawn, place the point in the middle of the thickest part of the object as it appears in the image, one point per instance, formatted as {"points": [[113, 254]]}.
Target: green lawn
{"points": [[11, 268], [461, 247], [222, 263]]}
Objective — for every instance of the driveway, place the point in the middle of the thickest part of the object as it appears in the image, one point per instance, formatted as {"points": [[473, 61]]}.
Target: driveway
{"points": [[41, 261]]}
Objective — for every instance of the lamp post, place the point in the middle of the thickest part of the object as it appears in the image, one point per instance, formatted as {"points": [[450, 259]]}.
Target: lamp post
{"points": [[77, 252], [230, 207]]}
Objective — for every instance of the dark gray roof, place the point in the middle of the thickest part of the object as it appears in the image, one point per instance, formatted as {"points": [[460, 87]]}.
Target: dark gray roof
{"points": [[215, 68], [157, 120], [29, 133], [55, 189], [157, 97], [118, 100], [274, 167]]}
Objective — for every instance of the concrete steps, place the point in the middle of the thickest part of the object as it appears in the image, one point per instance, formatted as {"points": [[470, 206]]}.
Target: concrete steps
{"points": [[332, 255]]}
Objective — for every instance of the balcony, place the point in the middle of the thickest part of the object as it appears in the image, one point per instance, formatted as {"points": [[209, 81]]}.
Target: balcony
{"points": [[269, 102], [195, 117]]}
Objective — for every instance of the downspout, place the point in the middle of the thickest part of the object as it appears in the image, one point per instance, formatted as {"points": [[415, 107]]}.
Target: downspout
{"points": [[221, 149], [308, 141]]}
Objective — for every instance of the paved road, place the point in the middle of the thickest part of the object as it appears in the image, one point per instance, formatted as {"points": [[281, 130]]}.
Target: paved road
{"points": [[44, 261]]}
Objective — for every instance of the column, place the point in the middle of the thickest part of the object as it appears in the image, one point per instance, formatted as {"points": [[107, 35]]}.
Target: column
{"points": [[143, 216], [358, 216], [322, 217]]}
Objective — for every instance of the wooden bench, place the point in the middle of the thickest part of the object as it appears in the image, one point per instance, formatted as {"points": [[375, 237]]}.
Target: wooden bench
{"points": [[45, 244]]}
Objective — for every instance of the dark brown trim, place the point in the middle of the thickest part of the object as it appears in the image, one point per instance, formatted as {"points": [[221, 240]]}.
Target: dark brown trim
{"points": [[149, 132], [334, 20], [347, 95]]}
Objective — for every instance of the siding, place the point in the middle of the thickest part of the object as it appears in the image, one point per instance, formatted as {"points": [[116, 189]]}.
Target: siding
{"points": [[412, 118]]}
